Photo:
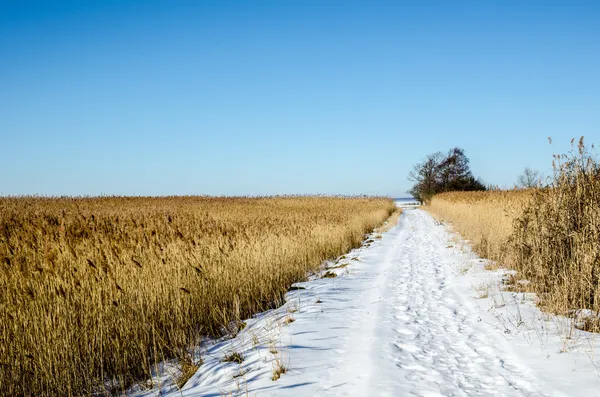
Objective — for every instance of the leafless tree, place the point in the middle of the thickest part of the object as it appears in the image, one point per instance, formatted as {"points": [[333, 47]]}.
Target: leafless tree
{"points": [[530, 178], [425, 176]]}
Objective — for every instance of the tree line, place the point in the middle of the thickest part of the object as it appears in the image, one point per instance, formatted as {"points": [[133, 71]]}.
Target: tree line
{"points": [[439, 173]]}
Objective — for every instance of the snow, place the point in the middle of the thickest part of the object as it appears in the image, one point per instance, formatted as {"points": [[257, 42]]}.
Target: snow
{"points": [[413, 314]]}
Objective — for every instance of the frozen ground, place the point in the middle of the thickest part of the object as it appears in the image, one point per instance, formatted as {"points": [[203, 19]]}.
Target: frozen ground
{"points": [[413, 314]]}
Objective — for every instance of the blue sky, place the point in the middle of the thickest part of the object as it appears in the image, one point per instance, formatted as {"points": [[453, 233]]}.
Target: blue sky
{"points": [[283, 97]]}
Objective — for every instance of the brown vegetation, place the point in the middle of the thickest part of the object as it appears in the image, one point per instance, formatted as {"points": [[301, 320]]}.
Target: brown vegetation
{"points": [[557, 238], [550, 235], [95, 291], [486, 219]]}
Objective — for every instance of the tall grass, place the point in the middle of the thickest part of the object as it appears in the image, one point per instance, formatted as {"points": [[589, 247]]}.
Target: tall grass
{"points": [[486, 219], [557, 238], [95, 291], [551, 235]]}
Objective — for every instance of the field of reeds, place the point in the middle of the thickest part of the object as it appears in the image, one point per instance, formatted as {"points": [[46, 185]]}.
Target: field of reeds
{"points": [[549, 235], [486, 218], [95, 291]]}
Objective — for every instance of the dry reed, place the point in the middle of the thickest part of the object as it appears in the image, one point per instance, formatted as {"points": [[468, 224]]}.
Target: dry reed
{"points": [[557, 238], [95, 291], [486, 219], [550, 236]]}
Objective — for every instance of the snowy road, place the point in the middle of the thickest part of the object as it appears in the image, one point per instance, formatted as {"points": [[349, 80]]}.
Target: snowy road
{"points": [[400, 320]]}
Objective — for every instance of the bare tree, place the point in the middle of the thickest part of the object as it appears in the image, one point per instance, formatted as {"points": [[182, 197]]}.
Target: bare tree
{"points": [[454, 171], [425, 176], [530, 178]]}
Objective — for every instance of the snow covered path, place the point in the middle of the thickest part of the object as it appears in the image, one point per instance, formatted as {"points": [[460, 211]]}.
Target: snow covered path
{"points": [[399, 320], [404, 331]]}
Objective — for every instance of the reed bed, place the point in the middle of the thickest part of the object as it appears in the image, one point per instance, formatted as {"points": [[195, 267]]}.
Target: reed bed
{"points": [[96, 291], [550, 235], [557, 238], [486, 219]]}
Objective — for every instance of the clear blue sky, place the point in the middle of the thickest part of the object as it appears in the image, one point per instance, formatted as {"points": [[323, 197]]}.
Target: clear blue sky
{"points": [[280, 97]]}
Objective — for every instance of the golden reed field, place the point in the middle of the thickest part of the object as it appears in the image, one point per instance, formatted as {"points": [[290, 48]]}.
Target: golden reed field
{"points": [[486, 219], [95, 291], [550, 235]]}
